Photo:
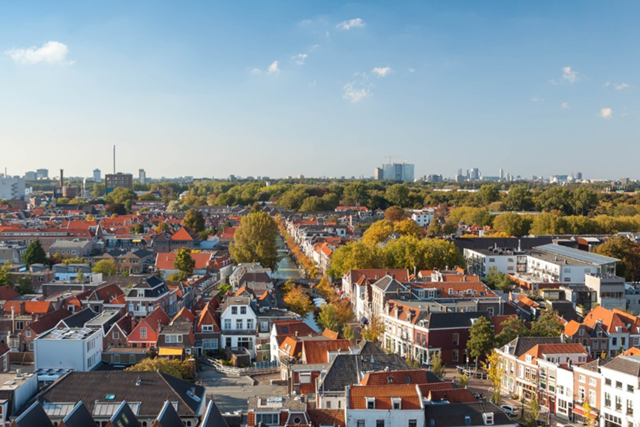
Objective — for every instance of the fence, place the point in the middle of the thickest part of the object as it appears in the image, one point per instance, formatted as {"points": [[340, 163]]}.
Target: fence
{"points": [[260, 368]]}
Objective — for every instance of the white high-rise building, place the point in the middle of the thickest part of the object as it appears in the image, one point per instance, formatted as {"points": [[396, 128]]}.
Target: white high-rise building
{"points": [[397, 171], [11, 188], [142, 176], [97, 175]]}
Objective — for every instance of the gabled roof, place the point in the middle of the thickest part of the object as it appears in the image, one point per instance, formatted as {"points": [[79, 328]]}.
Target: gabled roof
{"points": [[35, 416], [613, 321], [212, 417], [165, 260], [327, 417], [168, 417], [182, 234], [414, 376], [383, 394], [540, 350], [317, 351], [332, 335], [49, 321], [8, 293], [292, 328], [184, 315], [629, 365], [521, 345], [78, 320], [208, 316], [79, 417], [124, 416]]}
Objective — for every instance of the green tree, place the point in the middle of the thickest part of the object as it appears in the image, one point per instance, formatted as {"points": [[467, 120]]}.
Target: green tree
{"points": [[583, 201], [435, 228], [184, 262], [373, 330], [481, 339], [513, 224], [548, 223], [107, 267], [394, 214], [355, 193], [487, 194], [35, 254], [462, 381], [377, 232], [354, 255], [5, 276], [409, 227], [24, 286], [162, 227], [555, 199], [255, 240], [518, 199], [494, 370], [547, 325], [348, 333], [80, 276], [327, 317], [512, 328], [121, 195], [173, 367], [398, 194], [534, 412], [627, 252], [194, 220], [497, 280]]}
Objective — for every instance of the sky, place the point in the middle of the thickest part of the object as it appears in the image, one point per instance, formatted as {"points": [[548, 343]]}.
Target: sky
{"points": [[322, 88]]}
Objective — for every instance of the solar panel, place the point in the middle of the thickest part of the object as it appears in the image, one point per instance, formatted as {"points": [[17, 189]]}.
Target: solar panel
{"points": [[86, 330]]}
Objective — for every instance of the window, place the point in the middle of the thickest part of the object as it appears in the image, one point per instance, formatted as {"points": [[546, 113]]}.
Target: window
{"points": [[268, 419], [396, 402], [305, 377], [132, 359], [116, 359], [618, 404], [234, 310], [581, 394], [360, 423], [250, 324], [454, 356], [581, 378], [592, 382], [455, 339], [19, 326], [31, 348], [227, 324], [619, 385], [243, 310], [116, 335], [239, 324], [629, 407], [371, 402], [207, 328], [413, 423], [143, 333], [607, 381], [630, 388], [328, 404], [607, 400], [379, 423], [27, 333]]}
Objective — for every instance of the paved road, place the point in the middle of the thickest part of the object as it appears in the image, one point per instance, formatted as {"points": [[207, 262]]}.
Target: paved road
{"points": [[231, 393]]}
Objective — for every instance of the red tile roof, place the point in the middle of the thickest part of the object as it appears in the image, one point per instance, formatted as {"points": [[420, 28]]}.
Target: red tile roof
{"points": [[165, 260], [416, 376], [453, 395], [182, 234], [292, 327], [8, 293], [327, 417], [539, 350], [184, 314], [316, 351], [382, 394]]}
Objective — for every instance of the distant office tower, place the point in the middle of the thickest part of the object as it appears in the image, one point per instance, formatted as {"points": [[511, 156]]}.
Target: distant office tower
{"points": [[42, 173], [397, 171], [434, 178], [378, 173], [501, 174], [117, 180], [579, 176], [30, 176], [474, 174], [11, 188], [97, 175], [142, 176]]}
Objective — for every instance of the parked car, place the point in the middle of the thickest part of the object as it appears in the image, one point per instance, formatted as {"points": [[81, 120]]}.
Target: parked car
{"points": [[510, 410]]}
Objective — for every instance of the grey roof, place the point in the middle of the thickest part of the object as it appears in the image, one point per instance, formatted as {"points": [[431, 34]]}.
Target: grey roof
{"points": [[576, 254], [389, 284], [521, 345], [168, 417], [455, 414], [124, 416], [79, 319], [626, 364], [35, 416], [447, 320], [212, 417], [594, 364], [79, 417]]}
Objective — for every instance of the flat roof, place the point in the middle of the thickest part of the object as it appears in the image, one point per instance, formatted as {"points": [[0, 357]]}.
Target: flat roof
{"points": [[68, 334], [577, 254]]}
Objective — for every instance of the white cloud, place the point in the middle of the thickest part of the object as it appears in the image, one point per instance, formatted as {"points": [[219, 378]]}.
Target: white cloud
{"points": [[606, 113], [536, 99], [381, 71], [351, 23], [355, 92], [411, 70], [299, 58], [256, 71], [273, 68], [314, 47], [51, 53], [607, 84], [569, 75], [621, 86], [565, 105]]}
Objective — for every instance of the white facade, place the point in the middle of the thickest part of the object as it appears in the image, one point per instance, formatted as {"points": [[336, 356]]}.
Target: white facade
{"points": [[620, 396], [238, 323], [480, 261], [558, 271], [69, 349], [11, 188], [422, 218]]}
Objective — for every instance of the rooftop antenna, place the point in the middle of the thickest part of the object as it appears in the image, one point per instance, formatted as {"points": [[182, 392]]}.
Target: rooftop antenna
{"points": [[114, 159]]}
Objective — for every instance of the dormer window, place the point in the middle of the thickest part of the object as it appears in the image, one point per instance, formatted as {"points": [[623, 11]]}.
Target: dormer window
{"points": [[529, 358], [234, 310], [396, 403], [371, 402], [487, 417]]}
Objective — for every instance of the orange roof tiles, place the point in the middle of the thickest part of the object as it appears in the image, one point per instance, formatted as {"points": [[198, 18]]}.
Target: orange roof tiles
{"points": [[332, 335], [182, 234], [382, 394], [416, 376], [317, 351], [571, 328], [633, 351], [165, 260], [184, 314], [539, 350]]}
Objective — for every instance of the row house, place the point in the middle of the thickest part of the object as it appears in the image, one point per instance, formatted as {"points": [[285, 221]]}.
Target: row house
{"points": [[238, 322], [150, 293], [282, 329], [146, 332], [177, 339], [620, 392], [47, 237], [207, 328], [356, 284], [169, 242], [165, 263], [389, 405]]}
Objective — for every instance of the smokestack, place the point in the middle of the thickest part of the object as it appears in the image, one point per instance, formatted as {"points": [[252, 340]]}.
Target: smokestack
{"points": [[114, 159], [61, 180]]}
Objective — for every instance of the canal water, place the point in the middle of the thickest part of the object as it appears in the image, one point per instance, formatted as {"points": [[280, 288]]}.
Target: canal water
{"points": [[286, 267]]}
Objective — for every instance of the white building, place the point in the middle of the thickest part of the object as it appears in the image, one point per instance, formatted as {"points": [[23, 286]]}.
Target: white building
{"points": [[12, 188], [506, 260], [423, 217], [97, 177], [620, 392], [238, 323], [388, 406], [77, 349]]}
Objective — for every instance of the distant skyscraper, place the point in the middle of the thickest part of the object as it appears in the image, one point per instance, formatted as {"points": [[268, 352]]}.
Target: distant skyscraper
{"points": [[117, 180], [579, 175], [142, 176], [42, 173], [501, 174], [97, 177], [30, 176], [378, 173], [474, 174], [397, 171]]}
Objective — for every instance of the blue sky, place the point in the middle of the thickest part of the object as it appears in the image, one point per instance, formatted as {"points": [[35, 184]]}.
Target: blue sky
{"points": [[321, 88]]}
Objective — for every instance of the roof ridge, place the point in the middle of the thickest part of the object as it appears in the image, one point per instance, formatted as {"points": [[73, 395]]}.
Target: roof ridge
{"points": [[162, 375]]}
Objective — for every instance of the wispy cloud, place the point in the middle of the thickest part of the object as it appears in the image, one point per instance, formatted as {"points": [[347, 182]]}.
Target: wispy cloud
{"points": [[50, 53], [356, 92], [622, 86], [299, 58], [381, 71], [411, 70], [569, 75], [565, 105], [351, 23], [607, 84], [606, 113], [536, 99], [273, 68]]}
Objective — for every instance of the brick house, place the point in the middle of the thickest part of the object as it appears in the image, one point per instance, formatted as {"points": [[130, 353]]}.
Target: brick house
{"points": [[118, 334], [145, 334]]}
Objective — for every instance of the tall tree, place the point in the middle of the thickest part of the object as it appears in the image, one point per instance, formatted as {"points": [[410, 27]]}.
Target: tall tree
{"points": [[298, 301], [108, 267], [194, 220], [481, 339], [184, 262], [437, 367], [398, 194], [627, 252], [547, 325], [394, 214], [494, 373], [374, 330], [35, 253], [511, 329], [255, 240], [513, 224], [378, 232]]}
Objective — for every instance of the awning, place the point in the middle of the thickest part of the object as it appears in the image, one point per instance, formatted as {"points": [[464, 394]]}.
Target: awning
{"points": [[137, 240], [170, 351]]}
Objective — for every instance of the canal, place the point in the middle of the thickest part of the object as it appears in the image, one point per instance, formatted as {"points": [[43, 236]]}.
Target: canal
{"points": [[286, 267]]}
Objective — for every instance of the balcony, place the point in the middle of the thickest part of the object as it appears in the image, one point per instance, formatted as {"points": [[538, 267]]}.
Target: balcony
{"points": [[246, 332]]}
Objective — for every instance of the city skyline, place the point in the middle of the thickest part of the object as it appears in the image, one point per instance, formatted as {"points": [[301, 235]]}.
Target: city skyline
{"points": [[325, 89]]}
